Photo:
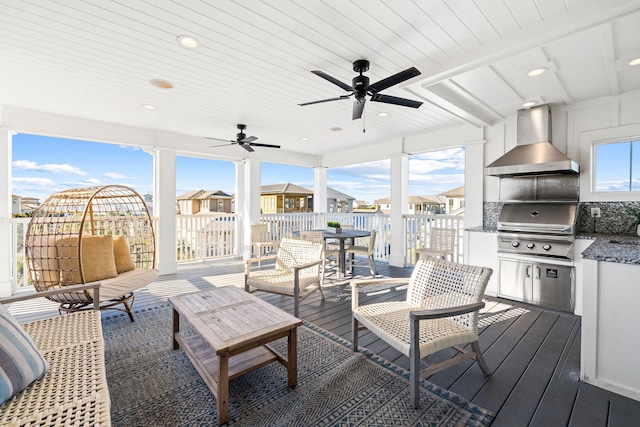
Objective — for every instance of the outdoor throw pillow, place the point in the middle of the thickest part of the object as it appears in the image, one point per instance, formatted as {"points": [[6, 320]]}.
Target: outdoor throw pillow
{"points": [[97, 259], [122, 255], [20, 361]]}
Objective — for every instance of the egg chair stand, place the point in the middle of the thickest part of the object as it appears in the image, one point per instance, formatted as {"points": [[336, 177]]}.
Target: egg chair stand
{"points": [[98, 234]]}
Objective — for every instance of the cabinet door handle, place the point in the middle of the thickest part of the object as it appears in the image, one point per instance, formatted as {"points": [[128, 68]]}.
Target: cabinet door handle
{"points": [[527, 271], [537, 272]]}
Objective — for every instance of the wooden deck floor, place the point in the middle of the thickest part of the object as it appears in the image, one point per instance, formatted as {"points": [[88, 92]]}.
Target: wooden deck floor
{"points": [[534, 353]]}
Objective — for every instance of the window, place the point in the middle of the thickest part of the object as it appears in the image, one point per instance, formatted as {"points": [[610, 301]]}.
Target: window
{"points": [[617, 166]]}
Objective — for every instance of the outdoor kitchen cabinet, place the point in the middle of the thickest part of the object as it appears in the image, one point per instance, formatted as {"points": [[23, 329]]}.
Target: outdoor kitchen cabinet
{"points": [[610, 343], [539, 283], [481, 249]]}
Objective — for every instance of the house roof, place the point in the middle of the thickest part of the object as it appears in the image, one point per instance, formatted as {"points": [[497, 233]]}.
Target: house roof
{"points": [[438, 200], [284, 188], [203, 194], [337, 195], [457, 192]]}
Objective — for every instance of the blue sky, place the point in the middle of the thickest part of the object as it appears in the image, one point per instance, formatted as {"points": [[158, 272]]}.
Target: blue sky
{"points": [[43, 165]]}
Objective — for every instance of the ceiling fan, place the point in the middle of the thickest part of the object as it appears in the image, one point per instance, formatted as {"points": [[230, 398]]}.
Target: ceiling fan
{"points": [[361, 87], [243, 140]]}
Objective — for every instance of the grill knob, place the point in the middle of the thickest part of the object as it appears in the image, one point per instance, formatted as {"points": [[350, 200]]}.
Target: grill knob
{"points": [[515, 244], [546, 247], [530, 245]]}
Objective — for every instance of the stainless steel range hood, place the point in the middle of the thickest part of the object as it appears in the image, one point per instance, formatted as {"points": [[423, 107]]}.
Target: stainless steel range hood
{"points": [[534, 154]]}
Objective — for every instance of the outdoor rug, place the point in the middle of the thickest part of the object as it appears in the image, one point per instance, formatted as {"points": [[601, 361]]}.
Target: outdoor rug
{"points": [[153, 385]]}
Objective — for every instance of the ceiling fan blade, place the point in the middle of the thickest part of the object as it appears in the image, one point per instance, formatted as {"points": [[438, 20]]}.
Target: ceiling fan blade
{"points": [[393, 80], [326, 100], [218, 139], [249, 139], [257, 144], [358, 107], [333, 80], [247, 147], [378, 97]]}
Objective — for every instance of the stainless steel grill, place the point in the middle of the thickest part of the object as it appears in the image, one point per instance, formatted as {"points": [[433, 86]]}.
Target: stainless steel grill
{"points": [[542, 230], [539, 229]]}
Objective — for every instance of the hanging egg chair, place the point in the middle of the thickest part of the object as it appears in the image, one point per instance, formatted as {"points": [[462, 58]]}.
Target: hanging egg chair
{"points": [[98, 234]]}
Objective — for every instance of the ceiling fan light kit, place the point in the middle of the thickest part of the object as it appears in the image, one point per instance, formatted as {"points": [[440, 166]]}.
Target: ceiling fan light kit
{"points": [[360, 88]]}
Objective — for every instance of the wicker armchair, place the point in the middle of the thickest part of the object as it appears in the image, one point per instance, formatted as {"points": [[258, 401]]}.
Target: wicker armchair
{"points": [[296, 273], [441, 311]]}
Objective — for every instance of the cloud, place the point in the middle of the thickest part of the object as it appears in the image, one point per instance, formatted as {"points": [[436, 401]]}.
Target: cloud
{"points": [[50, 167], [115, 175], [91, 181], [41, 182]]}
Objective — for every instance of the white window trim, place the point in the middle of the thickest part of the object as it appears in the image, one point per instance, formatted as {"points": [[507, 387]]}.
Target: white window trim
{"points": [[588, 141]]}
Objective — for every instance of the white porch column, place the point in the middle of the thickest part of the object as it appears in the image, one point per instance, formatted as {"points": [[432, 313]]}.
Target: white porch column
{"points": [[251, 202], [5, 213], [239, 196], [164, 207], [473, 184], [399, 207], [320, 207]]}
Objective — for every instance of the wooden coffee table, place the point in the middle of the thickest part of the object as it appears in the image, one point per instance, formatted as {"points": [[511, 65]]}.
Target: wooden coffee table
{"points": [[231, 332]]}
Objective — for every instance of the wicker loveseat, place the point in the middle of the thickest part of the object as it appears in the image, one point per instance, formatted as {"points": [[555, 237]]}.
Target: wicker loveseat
{"points": [[74, 389]]}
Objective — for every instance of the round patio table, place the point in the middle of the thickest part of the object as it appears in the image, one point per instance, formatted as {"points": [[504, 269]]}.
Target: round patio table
{"points": [[342, 237]]}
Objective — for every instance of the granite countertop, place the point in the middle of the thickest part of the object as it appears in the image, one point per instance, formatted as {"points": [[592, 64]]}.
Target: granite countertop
{"points": [[481, 229], [619, 248]]}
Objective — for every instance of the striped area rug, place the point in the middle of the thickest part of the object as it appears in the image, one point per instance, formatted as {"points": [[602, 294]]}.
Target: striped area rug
{"points": [[153, 385]]}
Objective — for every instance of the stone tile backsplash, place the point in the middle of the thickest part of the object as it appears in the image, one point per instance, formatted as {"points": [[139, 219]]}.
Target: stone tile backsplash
{"points": [[616, 217]]}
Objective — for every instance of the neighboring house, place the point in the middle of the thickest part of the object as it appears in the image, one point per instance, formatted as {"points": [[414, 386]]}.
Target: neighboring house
{"points": [[367, 209], [16, 202], [202, 201], [148, 201], [286, 197], [455, 199], [418, 205], [339, 202], [23, 205]]}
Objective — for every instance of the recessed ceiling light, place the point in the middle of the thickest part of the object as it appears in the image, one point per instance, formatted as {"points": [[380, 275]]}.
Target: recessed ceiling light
{"points": [[335, 129], [635, 61], [188, 42], [304, 138], [383, 114], [162, 84], [537, 71], [529, 104], [149, 106]]}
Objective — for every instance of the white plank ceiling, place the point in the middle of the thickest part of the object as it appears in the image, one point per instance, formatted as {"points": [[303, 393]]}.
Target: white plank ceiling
{"points": [[93, 59]]}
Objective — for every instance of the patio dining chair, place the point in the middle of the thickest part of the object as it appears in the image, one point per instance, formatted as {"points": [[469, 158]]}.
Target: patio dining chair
{"points": [[331, 256], [366, 251], [440, 311], [296, 271], [260, 240], [442, 243]]}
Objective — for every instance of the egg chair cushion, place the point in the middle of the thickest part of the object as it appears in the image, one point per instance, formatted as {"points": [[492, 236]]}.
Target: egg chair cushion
{"points": [[21, 363], [97, 259], [122, 255]]}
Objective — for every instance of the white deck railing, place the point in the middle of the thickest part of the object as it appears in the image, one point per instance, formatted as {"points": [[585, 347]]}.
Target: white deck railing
{"points": [[209, 236]]}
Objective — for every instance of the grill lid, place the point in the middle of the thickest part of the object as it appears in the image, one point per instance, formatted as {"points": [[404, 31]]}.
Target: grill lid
{"points": [[556, 218]]}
